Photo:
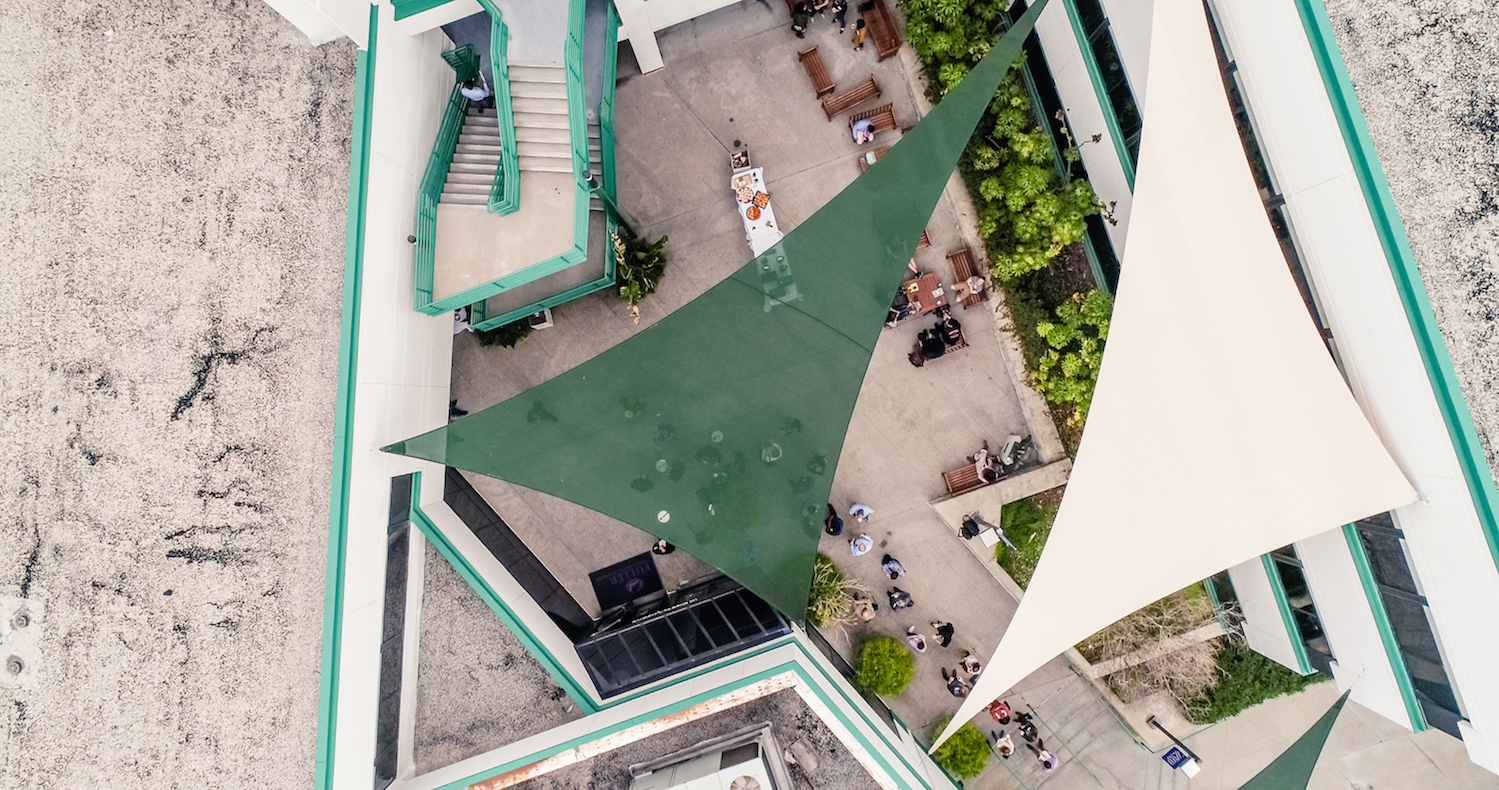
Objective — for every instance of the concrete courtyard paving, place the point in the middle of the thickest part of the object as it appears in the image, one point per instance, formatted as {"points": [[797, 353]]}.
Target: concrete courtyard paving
{"points": [[733, 78]]}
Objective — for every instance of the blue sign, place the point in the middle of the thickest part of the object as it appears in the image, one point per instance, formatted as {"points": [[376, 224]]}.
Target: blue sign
{"points": [[1175, 757]]}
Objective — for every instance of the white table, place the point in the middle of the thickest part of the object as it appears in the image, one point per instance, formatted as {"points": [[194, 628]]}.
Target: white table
{"points": [[763, 232]]}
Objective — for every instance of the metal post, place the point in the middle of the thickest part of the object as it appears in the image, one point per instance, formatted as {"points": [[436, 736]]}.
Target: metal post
{"points": [[1152, 722], [596, 188]]}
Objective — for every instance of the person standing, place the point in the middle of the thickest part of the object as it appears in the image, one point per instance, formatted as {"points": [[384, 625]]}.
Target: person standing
{"points": [[478, 95], [663, 548], [900, 599], [999, 711], [801, 15], [892, 567], [971, 665], [1003, 744], [860, 32], [955, 684], [944, 632], [831, 524], [861, 513], [860, 545], [840, 14], [915, 640]]}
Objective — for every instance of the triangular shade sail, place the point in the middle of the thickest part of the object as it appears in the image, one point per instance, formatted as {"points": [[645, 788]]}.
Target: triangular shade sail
{"points": [[1220, 428], [1292, 770], [719, 427]]}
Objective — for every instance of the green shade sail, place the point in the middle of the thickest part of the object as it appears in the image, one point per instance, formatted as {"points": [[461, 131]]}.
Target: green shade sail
{"points": [[1292, 770], [719, 428]]}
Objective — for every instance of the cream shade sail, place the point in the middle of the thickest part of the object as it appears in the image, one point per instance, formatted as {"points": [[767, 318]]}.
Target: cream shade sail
{"points": [[1220, 428]]}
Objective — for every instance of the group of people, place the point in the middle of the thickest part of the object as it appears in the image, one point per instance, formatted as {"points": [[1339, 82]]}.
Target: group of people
{"points": [[1000, 711], [804, 10], [937, 340]]}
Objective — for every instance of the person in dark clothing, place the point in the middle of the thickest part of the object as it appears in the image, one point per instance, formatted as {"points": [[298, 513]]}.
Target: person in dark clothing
{"points": [[831, 523], [801, 15], [955, 684], [840, 14], [952, 331], [662, 547], [944, 632], [931, 344], [900, 599]]}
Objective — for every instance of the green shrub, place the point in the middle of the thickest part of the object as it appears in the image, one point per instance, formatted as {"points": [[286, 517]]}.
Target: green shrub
{"points": [[885, 666], [965, 754], [1069, 369], [639, 266], [832, 595], [1246, 679], [1027, 523], [507, 335]]}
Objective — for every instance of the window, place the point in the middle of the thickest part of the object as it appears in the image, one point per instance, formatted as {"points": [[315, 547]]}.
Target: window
{"points": [[1095, 28], [1410, 621], [398, 544], [1303, 611]]}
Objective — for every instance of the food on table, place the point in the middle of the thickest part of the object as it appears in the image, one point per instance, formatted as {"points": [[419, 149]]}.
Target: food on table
{"points": [[762, 199], [744, 180], [753, 212], [745, 194]]}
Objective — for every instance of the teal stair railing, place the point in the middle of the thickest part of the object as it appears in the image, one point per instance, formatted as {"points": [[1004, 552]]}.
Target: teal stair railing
{"points": [[429, 191], [504, 192]]}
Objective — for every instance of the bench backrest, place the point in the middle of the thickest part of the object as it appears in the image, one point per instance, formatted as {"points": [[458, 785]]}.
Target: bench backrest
{"points": [[853, 97]]}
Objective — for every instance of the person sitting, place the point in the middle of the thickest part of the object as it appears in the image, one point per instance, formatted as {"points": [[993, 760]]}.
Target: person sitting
{"points": [[899, 309], [863, 131], [900, 599], [931, 344], [973, 286], [970, 664], [952, 331], [944, 632], [864, 608]]}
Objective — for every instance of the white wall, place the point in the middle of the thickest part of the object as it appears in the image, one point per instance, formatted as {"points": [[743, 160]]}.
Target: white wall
{"points": [[1362, 663], [404, 360], [1342, 255], [1129, 21], [1264, 628], [1086, 116]]}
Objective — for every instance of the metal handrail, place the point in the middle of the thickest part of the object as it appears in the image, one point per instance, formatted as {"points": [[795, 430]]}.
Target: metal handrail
{"points": [[429, 192], [504, 191]]}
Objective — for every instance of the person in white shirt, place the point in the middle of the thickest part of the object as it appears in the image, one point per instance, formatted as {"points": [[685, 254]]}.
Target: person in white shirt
{"points": [[477, 94]]}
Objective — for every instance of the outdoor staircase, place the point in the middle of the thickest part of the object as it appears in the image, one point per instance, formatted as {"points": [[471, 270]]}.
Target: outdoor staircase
{"points": [[538, 96]]}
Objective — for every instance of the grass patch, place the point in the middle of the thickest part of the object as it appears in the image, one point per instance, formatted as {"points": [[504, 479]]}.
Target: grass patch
{"points": [[1026, 523], [1245, 679]]}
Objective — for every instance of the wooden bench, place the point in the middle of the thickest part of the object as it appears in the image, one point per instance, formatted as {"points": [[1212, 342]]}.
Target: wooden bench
{"points": [[924, 241], [882, 118], [879, 153], [840, 103], [812, 61], [963, 479], [882, 29], [962, 269]]}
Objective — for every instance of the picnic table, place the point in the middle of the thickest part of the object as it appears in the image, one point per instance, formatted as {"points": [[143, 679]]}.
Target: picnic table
{"points": [[925, 293]]}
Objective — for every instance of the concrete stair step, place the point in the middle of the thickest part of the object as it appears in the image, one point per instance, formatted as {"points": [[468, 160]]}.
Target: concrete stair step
{"points": [[465, 188], [461, 177], [546, 165], [488, 160], [531, 120], [526, 89], [483, 137], [537, 72], [476, 168], [552, 150], [488, 149], [523, 104], [542, 134], [465, 200]]}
